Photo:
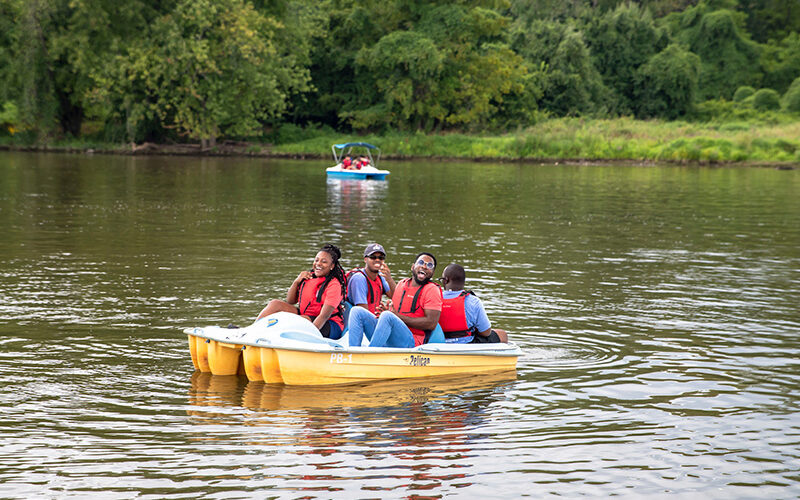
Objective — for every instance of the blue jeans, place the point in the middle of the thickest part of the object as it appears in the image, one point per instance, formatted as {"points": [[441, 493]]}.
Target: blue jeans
{"points": [[361, 322], [390, 331]]}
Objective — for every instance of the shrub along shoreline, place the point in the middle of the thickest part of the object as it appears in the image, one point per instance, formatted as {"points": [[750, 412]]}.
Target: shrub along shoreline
{"points": [[567, 140]]}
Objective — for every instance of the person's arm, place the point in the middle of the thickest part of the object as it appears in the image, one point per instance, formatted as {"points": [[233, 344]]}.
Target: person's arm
{"points": [[292, 296], [427, 322], [324, 315], [431, 304], [476, 316], [331, 299]]}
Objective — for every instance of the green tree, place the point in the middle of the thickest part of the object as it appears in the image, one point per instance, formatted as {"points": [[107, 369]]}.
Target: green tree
{"points": [[526, 12], [667, 84], [445, 65], [558, 57], [781, 62], [32, 69], [620, 42], [770, 19], [57, 52], [211, 68], [338, 84], [729, 58], [408, 69]]}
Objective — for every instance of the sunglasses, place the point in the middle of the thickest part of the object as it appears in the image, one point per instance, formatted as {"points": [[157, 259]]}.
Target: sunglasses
{"points": [[429, 265], [376, 257]]}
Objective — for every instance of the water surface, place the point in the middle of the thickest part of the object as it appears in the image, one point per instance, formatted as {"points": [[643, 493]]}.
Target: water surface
{"points": [[657, 307]]}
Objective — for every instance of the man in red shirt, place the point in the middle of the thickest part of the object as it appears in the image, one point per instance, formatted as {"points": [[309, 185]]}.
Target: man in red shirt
{"points": [[414, 310]]}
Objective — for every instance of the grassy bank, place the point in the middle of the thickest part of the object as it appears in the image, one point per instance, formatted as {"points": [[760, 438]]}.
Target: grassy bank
{"points": [[594, 140], [570, 139]]}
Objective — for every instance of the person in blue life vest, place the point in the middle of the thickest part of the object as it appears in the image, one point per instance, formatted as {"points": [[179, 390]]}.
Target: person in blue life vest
{"points": [[318, 294], [463, 317], [411, 316]]}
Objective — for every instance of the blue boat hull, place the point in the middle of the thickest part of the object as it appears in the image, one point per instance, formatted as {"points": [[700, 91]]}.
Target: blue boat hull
{"points": [[357, 175]]}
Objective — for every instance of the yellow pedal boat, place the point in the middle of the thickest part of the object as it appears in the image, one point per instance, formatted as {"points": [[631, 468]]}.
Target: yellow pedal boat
{"points": [[284, 348]]}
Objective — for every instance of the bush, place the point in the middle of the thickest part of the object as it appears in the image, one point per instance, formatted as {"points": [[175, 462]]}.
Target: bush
{"points": [[743, 93], [288, 133], [766, 100], [9, 116], [791, 99]]}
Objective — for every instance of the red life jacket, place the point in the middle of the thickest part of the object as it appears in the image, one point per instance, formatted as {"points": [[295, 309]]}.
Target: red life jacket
{"points": [[310, 298], [453, 319], [410, 308], [374, 289]]}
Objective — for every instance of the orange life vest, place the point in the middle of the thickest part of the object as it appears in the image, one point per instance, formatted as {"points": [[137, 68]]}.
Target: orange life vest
{"points": [[310, 298], [453, 319]]}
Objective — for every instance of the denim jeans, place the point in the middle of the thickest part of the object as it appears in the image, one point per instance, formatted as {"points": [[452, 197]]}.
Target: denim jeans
{"points": [[361, 322], [390, 331]]}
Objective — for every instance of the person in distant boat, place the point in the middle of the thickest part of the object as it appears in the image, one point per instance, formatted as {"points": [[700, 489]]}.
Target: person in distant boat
{"points": [[463, 317], [411, 316], [347, 163], [365, 288], [361, 161], [318, 294]]}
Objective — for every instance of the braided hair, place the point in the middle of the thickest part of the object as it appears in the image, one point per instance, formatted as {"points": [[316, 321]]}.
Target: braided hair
{"points": [[337, 271]]}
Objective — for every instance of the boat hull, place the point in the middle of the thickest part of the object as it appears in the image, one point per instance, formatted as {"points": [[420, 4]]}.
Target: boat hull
{"points": [[346, 367], [363, 174], [261, 365], [286, 349]]}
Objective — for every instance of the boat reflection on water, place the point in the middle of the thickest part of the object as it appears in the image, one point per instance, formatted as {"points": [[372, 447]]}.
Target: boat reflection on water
{"points": [[260, 396], [216, 390], [350, 194], [233, 390], [423, 432]]}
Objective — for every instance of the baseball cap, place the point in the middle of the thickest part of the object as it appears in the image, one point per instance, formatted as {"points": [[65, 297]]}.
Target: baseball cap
{"points": [[373, 248]]}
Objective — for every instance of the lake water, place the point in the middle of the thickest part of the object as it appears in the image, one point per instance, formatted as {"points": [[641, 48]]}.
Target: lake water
{"points": [[657, 308]]}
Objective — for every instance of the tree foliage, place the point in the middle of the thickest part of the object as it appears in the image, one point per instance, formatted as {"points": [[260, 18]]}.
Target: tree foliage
{"points": [[196, 70], [766, 100], [743, 93], [667, 84], [770, 19], [214, 69], [557, 54], [729, 58], [791, 99], [622, 41], [448, 67], [781, 62]]}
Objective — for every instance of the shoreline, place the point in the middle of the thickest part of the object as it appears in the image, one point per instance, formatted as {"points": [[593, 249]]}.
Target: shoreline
{"points": [[245, 150]]}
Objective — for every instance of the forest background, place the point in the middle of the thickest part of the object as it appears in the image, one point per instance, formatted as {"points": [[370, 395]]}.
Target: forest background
{"points": [[675, 80]]}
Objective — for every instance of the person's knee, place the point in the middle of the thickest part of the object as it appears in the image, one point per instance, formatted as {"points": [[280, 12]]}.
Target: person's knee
{"points": [[386, 315], [359, 312], [276, 304]]}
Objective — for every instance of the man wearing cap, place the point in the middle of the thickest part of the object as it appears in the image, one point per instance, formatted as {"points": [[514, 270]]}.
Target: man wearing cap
{"points": [[365, 288]]}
